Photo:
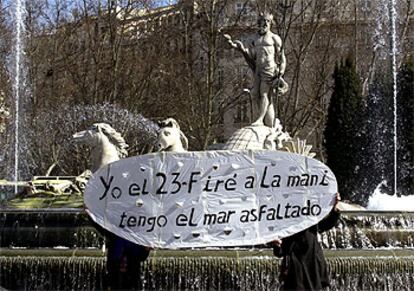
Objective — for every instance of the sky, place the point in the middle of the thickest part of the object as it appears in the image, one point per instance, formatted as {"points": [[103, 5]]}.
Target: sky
{"points": [[166, 2]]}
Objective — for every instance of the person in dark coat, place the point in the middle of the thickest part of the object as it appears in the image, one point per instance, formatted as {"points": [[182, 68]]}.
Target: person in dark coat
{"points": [[303, 266], [123, 263]]}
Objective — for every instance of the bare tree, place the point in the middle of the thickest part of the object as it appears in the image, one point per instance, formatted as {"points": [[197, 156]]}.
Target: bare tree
{"points": [[173, 61]]}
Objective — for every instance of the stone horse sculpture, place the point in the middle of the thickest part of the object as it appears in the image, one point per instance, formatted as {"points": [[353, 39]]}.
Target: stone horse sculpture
{"points": [[107, 145], [170, 137]]}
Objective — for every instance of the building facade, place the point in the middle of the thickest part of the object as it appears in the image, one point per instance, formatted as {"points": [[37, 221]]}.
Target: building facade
{"points": [[174, 60]]}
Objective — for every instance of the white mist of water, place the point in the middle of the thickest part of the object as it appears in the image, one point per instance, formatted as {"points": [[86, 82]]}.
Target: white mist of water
{"points": [[382, 201], [18, 80], [393, 52], [386, 47]]}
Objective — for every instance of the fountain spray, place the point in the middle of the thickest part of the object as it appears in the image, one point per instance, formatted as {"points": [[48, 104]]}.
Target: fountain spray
{"points": [[393, 53], [18, 80]]}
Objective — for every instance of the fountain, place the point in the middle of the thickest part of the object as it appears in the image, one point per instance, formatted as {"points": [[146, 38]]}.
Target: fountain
{"points": [[393, 53], [61, 249], [378, 199], [253, 270], [18, 84]]}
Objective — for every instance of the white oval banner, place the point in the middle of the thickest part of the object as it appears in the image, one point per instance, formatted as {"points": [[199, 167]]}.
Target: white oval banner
{"points": [[211, 198]]}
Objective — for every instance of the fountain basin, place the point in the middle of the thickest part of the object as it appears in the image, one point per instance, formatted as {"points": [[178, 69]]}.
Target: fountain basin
{"points": [[47, 228], [371, 229], [60, 249], [203, 270], [71, 228]]}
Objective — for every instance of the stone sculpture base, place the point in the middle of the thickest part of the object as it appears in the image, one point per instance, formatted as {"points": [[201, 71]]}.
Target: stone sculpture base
{"points": [[249, 137]]}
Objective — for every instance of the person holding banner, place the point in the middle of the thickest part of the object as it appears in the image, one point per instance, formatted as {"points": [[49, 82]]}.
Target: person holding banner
{"points": [[303, 266], [123, 265], [123, 261]]}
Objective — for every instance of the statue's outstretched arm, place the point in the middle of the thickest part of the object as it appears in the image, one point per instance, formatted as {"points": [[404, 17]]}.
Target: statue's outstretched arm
{"points": [[240, 46], [235, 43]]}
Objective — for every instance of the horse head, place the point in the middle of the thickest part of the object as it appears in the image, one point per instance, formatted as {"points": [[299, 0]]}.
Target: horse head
{"points": [[170, 137], [169, 122], [107, 145]]}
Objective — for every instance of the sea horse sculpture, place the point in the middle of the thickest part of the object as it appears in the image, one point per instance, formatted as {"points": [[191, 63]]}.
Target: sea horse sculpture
{"points": [[170, 137], [123, 257], [106, 143]]}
